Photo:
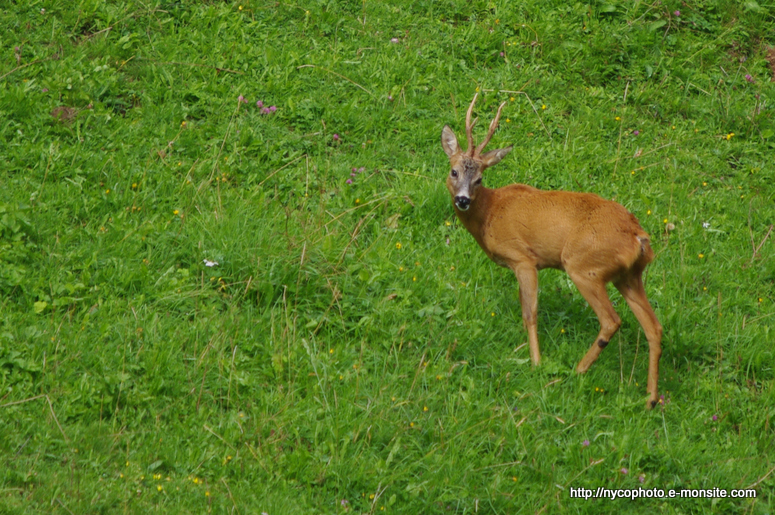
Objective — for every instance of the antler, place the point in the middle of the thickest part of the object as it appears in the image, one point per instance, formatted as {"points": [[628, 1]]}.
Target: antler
{"points": [[472, 150], [490, 131], [470, 127]]}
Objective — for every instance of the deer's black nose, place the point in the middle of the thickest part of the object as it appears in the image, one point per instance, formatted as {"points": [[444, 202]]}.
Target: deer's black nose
{"points": [[462, 202]]}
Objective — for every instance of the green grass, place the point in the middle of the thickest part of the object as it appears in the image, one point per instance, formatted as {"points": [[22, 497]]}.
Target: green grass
{"points": [[321, 367]]}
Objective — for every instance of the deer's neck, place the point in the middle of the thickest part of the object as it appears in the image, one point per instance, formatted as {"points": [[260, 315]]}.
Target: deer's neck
{"points": [[475, 217]]}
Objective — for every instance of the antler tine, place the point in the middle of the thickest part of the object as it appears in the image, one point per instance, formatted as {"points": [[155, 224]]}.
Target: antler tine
{"points": [[470, 126], [490, 131]]}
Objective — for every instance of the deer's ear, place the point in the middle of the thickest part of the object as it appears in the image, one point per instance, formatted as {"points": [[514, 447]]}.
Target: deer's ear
{"points": [[493, 157], [449, 141]]}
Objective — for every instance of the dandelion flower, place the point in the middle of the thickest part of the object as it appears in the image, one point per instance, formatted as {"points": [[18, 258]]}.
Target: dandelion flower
{"points": [[176, 212], [701, 256], [398, 246], [617, 118], [543, 106]]}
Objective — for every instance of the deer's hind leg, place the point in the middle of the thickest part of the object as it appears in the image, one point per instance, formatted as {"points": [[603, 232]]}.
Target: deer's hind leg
{"points": [[592, 288], [631, 288]]}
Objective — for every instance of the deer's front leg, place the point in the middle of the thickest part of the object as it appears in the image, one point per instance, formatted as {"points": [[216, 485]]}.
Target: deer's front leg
{"points": [[527, 276]]}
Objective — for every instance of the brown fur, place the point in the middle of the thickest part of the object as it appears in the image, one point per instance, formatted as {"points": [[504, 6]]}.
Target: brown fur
{"points": [[596, 241]]}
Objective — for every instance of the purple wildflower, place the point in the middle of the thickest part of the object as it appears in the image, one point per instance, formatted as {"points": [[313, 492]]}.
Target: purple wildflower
{"points": [[45, 90], [264, 110], [390, 97], [272, 109], [354, 169], [585, 443], [16, 49], [677, 13], [635, 132], [394, 40], [641, 478], [242, 100], [352, 174], [336, 137], [349, 181], [748, 77], [715, 418], [624, 471], [361, 169], [502, 54], [447, 241], [344, 502], [259, 104]]}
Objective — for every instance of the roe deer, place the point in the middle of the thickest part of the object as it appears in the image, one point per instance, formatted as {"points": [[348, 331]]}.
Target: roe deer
{"points": [[596, 241]]}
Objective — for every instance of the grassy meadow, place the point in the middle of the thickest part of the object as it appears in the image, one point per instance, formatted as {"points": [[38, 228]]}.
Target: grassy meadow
{"points": [[232, 281]]}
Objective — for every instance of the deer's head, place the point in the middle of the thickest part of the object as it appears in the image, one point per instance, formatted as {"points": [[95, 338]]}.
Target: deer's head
{"points": [[466, 168]]}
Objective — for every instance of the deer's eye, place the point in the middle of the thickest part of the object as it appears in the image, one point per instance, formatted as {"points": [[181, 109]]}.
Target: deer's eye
{"points": [[478, 181], [453, 173]]}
